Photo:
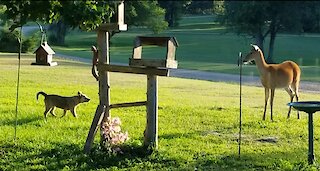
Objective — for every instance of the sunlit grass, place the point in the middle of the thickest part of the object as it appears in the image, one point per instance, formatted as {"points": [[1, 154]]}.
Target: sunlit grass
{"points": [[198, 123]]}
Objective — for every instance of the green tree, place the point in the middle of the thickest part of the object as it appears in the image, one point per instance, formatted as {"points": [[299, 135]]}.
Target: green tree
{"points": [[174, 11], [260, 19], [311, 16], [85, 14], [146, 13], [2, 16], [57, 32], [199, 6]]}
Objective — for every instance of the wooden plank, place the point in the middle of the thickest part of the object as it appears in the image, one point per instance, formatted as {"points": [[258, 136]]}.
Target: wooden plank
{"points": [[137, 52], [132, 104], [153, 63], [171, 51], [133, 70], [121, 13], [107, 27], [94, 127], [151, 132]]}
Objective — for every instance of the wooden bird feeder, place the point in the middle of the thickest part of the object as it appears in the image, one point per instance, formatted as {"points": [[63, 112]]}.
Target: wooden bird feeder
{"points": [[44, 55], [169, 61], [152, 68]]}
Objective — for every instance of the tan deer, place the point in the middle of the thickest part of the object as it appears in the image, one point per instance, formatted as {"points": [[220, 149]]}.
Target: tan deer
{"points": [[285, 75]]}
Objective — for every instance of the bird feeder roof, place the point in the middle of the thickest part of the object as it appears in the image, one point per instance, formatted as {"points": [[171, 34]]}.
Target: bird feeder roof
{"points": [[45, 46]]}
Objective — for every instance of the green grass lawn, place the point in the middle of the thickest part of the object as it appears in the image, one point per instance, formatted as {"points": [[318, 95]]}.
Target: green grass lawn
{"points": [[204, 45], [198, 124]]}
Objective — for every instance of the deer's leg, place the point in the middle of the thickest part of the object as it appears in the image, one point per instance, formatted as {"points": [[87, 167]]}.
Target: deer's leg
{"points": [[266, 93], [290, 92], [271, 102]]}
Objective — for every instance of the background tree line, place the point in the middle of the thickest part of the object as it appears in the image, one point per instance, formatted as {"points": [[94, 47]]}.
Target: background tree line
{"points": [[262, 19], [258, 19], [86, 15]]}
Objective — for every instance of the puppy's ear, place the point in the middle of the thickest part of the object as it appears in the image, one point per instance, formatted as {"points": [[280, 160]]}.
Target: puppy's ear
{"points": [[79, 93]]}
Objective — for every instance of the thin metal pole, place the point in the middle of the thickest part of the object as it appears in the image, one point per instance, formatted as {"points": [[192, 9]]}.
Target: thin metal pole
{"points": [[240, 117], [310, 150], [18, 83]]}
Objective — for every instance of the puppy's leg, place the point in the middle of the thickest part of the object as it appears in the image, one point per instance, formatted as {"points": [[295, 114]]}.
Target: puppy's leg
{"points": [[46, 112], [64, 113], [52, 111], [73, 111]]}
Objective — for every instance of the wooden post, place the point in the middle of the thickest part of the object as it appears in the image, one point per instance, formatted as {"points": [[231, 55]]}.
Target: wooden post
{"points": [[151, 132], [104, 82], [103, 109], [94, 127], [104, 89]]}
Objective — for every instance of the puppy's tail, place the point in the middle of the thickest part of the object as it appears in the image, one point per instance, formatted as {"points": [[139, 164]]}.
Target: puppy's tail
{"points": [[42, 93]]}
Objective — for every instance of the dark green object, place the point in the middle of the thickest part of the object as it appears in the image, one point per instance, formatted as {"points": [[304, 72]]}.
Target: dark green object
{"points": [[309, 107]]}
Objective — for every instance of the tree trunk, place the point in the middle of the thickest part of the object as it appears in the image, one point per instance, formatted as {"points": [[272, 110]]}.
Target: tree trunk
{"points": [[58, 33], [61, 33], [271, 47], [273, 33], [169, 17], [259, 40]]}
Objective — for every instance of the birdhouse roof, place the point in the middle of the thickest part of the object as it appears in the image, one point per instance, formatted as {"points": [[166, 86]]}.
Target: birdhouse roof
{"points": [[159, 41], [45, 46]]}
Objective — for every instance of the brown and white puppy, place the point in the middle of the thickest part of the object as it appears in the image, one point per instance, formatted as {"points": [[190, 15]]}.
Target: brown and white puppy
{"points": [[66, 103]]}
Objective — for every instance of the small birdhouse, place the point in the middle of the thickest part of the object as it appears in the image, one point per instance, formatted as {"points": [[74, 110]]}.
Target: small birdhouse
{"points": [[44, 55], [169, 42]]}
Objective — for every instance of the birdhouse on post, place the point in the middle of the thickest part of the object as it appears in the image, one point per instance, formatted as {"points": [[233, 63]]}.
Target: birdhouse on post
{"points": [[169, 61], [44, 55]]}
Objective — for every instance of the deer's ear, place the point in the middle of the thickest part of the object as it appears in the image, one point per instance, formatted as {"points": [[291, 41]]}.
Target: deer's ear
{"points": [[255, 47]]}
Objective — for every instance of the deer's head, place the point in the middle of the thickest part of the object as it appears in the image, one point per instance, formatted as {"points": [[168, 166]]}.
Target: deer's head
{"points": [[254, 53]]}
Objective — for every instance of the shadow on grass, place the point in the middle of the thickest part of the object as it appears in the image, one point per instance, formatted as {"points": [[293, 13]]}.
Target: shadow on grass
{"points": [[253, 161], [21, 121], [71, 156], [178, 135]]}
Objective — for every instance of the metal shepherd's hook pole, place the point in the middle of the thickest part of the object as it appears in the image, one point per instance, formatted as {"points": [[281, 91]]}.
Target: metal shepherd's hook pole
{"points": [[18, 83], [240, 111], [43, 33]]}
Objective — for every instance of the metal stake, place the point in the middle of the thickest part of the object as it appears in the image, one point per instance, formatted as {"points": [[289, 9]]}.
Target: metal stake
{"points": [[18, 83], [310, 138], [240, 117]]}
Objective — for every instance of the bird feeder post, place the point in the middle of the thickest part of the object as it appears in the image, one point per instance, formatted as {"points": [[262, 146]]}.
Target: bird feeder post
{"points": [[151, 131], [104, 82], [103, 109]]}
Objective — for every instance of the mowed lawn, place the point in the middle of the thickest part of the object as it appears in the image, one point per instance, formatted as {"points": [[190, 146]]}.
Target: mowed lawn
{"points": [[198, 123], [203, 45]]}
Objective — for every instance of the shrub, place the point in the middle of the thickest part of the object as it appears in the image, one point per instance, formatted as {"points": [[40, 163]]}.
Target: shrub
{"points": [[9, 42]]}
